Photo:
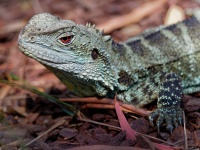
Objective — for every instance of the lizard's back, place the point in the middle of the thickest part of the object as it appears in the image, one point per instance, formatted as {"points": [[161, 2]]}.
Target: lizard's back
{"points": [[175, 48]]}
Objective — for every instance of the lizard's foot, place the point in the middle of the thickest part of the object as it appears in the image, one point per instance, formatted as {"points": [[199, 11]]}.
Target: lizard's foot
{"points": [[171, 115], [169, 100]]}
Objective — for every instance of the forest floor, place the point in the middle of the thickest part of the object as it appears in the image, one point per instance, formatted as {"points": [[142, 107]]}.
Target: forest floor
{"points": [[29, 120]]}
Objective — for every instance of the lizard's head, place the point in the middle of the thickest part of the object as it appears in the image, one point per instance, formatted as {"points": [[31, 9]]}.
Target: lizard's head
{"points": [[77, 54]]}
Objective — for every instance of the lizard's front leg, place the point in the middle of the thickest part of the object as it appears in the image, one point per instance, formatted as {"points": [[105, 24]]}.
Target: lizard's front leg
{"points": [[168, 105], [166, 88]]}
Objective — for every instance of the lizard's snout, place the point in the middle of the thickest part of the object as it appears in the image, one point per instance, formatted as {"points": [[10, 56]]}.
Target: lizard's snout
{"points": [[20, 37]]}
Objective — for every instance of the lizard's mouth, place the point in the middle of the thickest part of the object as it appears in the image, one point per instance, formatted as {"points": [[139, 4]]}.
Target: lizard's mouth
{"points": [[71, 69], [46, 56]]}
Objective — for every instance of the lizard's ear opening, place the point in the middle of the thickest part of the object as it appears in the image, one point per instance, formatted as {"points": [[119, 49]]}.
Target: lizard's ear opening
{"points": [[95, 54]]}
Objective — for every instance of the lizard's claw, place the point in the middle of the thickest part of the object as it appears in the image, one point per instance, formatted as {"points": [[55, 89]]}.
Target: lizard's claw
{"points": [[172, 117]]}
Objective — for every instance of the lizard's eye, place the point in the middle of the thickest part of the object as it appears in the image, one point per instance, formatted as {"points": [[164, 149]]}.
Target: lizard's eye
{"points": [[66, 40]]}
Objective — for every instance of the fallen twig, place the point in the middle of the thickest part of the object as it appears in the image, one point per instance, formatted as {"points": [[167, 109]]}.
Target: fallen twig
{"points": [[133, 17]]}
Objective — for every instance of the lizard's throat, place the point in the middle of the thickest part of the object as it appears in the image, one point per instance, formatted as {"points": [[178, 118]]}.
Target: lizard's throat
{"points": [[83, 86]]}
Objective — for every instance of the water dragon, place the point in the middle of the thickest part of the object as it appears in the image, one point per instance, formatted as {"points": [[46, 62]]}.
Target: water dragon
{"points": [[161, 64]]}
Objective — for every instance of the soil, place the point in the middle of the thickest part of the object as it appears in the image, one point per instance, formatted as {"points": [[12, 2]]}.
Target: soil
{"points": [[31, 121]]}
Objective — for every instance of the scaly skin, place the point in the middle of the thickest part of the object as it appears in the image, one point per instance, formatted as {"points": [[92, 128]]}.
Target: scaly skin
{"points": [[151, 66]]}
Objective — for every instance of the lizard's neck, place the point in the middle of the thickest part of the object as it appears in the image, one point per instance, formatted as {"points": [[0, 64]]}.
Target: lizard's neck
{"points": [[121, 67]]}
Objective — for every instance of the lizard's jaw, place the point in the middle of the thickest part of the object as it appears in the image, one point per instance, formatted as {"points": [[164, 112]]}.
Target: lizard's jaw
{"points": [[73, 70], [72, 74]]}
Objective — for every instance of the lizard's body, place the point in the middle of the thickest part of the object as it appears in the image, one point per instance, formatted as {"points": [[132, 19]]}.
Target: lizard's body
{"points": [[90, 63]]}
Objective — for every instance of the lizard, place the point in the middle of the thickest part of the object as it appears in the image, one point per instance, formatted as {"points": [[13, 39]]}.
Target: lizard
{"points": [[158, 65]]}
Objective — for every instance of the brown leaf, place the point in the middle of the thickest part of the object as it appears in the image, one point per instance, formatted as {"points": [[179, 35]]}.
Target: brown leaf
{"points": [[68, 133], [130, 133]]}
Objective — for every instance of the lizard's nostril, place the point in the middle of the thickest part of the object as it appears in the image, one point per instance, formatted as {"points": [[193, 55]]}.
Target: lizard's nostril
{"points": [[32, 39]]}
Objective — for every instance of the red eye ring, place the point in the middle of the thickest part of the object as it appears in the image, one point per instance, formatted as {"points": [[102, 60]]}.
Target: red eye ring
{"points": [[66, 39]]}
